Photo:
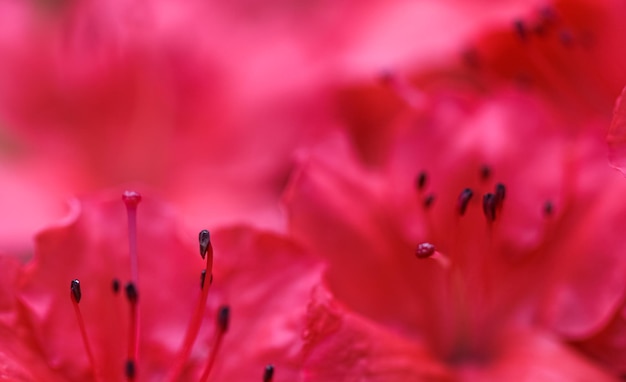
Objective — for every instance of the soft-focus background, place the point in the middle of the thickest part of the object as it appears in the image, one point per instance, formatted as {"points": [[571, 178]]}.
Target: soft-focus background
{"points": [[201, 102]]}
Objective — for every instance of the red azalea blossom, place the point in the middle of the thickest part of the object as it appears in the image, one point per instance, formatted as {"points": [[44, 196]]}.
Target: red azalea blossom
{"points": [[263, 279], [486, 244]]}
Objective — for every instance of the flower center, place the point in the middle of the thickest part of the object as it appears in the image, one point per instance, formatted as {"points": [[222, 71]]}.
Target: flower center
{"points": [[465, 328]]}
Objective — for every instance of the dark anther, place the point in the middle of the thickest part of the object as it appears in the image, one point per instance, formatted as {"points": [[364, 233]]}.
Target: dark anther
{"points": [[129, 369], [500, 194], [520, 30], [463, 201], [223, 318], [131, 293], [421, 180], [202, 277], [429, 200], [75, 289], [485, 172], [489, 206], [204, 237], [268, 373], [424, 250], [115, 285], [548, 208]]}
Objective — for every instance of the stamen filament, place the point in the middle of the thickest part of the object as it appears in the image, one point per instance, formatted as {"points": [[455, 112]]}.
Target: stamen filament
{"points": [[133, 343], [75, 296], [206, 251], [223, 319]]}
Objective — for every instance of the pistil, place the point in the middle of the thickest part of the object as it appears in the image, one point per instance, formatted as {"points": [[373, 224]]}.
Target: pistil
{"points": [[131, 200]]}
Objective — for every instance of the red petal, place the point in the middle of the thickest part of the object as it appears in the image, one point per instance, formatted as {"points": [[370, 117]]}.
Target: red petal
{"points": [[267, 281], [534, 356], [342, 346]]}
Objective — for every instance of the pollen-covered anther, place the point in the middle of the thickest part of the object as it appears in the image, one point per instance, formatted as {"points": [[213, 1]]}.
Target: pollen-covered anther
{"points": [[131, 198], [463, 201], [424, 250], [204, 238], [268, 373], [489, 207], [75, 290]]}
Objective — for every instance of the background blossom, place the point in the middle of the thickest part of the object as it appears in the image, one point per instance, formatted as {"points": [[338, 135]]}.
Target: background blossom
{"points": [[204, 102]]}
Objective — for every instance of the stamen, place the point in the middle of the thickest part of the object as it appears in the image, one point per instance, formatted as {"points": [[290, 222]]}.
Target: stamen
{"points": [[76, 295], [429, 200], [424, 250], [132, 295], [520, 30], [131, 200], [485, 172], [500, 194], [75, 289], [463, 201], [130, 370], [421, 180], [489, 207], [223, 321], [115, 285], [204, 238], [548, 208], [202, 277], [206, 251], [268, 373]]}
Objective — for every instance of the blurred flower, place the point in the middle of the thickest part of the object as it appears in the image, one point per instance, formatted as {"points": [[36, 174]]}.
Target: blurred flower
{"points": [[204, 102], [264, 279], [470, 218]]}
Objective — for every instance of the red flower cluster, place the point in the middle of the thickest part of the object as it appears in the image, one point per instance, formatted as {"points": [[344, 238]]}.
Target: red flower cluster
{"points": [[454, 217]]}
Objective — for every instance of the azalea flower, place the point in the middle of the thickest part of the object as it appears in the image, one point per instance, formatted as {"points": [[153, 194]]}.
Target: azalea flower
{"points": [[471, 234], [488, 292], [83, 309]]}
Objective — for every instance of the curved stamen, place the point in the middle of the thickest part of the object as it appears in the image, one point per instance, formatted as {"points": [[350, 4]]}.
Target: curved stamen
{"points": [[75, 296]]}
